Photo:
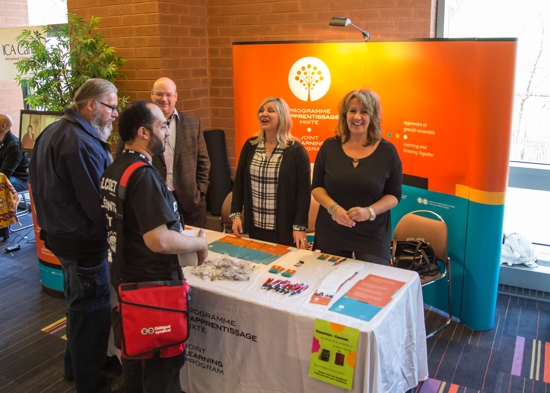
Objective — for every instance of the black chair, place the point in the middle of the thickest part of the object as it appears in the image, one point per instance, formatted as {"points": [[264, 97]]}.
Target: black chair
{"points": [[434, 231]]}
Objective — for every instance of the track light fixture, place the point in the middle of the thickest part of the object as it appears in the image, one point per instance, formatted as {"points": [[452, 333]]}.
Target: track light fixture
{"points": [[342, 21]]}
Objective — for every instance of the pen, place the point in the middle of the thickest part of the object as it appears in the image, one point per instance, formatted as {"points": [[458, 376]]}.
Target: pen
{"points": [[296, 288], [266, 284], [340, 261], [279, 287], [272, 285], [301, 290], [292, 288], [286, 288]]}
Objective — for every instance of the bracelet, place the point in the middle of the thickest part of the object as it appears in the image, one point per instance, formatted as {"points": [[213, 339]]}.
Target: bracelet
{"points": [[234, 216], [332, 207], [299, 228], [372, 214], [333, 214]]}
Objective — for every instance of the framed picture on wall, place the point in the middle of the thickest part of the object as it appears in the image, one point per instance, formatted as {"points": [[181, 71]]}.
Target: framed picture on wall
{"points": [[31, 124]]}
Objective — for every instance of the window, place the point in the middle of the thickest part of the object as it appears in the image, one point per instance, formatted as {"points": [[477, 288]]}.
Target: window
{"points": [[527, 209]]}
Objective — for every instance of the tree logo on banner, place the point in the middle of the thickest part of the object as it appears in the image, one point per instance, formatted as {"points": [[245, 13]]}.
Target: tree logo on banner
{"points": [[309, 79]]}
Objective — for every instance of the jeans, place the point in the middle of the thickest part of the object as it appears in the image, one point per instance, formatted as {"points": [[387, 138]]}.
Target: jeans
{"points": [[19, 185], [86, 284], [157, 375]]}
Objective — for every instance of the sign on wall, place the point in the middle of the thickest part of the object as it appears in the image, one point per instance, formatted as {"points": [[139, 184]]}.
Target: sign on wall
{"points": [[11, 52]]}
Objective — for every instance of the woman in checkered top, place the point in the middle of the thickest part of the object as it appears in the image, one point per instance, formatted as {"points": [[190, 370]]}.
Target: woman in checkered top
{"points": [[272, 182]]}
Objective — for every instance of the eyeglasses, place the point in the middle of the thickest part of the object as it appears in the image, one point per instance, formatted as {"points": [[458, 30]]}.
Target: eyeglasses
{"points": [[161, 95], [112, 108]]}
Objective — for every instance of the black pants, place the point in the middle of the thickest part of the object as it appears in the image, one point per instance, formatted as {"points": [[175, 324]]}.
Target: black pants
{"points": [[266, 235], [356, 255], [157, 375]]}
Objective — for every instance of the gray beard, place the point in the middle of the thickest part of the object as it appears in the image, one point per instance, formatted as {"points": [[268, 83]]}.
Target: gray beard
{"points": [[103, 132]]}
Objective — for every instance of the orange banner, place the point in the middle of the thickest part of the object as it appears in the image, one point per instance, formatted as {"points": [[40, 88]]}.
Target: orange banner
{"points": [[446, 104]]}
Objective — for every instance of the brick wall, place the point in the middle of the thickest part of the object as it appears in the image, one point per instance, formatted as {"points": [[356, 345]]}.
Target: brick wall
{"points": [[190, 40], [13, 13], [158, 38], [279, 20]]}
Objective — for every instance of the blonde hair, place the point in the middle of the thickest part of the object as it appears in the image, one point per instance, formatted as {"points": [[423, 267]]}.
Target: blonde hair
{"points": [[370, 100], [284, 137]]}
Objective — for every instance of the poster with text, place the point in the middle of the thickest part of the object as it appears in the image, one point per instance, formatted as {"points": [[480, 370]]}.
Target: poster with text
{"points": [[333, 353]]}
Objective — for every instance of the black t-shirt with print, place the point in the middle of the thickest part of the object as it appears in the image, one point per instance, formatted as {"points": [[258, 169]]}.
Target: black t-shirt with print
{"points": [[148, 205]]}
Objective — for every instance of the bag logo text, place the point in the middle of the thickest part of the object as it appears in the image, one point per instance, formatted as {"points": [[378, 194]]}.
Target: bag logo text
{"points": [[157, 330]]}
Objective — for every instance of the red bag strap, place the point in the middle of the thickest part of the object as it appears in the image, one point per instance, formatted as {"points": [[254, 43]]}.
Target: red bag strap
{"points": [[126, 177]]}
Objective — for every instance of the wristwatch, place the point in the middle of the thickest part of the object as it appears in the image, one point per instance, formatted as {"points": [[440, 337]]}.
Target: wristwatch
{"points": [[372, 214]]}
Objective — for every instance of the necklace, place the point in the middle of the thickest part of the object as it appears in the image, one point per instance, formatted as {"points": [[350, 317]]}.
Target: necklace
{"points": [[356, 160]]}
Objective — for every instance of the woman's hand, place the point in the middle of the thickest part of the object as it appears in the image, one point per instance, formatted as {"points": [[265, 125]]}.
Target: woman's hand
{"points": [[341, 217], [300, 239], [237, 227], [359, 213]]}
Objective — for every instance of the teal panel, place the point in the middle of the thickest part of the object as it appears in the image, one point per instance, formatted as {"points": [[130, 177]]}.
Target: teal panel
{"points": [[454, 211], [482, 267], [51, 277]]}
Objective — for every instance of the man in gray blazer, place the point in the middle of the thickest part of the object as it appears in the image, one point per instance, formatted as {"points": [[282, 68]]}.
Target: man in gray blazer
{"points": [[185, 164]]}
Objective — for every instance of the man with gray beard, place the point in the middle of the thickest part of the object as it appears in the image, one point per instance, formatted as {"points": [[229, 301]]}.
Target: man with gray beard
{"points": [[68, 160]]}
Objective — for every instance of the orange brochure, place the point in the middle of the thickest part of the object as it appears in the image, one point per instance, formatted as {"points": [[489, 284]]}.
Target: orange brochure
{"points": [[274, 249], [241, 242], [375, 290]]}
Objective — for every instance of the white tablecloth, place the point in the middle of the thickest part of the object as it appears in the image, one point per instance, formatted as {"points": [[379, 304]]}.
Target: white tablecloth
{"points": [[247, 340]]}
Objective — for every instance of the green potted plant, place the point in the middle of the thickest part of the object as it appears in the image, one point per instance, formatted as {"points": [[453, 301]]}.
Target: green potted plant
{"points": [[62, 59]]}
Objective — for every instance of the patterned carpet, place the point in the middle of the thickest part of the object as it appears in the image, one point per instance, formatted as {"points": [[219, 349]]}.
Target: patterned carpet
{"points": [[513, 357]]}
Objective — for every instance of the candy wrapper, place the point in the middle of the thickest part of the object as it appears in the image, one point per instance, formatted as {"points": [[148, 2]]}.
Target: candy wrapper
{"points": [[224, 267]]}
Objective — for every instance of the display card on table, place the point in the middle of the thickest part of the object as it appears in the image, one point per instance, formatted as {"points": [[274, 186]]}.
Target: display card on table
{"points": [[367, 297], [333, 353], [248, 250]]}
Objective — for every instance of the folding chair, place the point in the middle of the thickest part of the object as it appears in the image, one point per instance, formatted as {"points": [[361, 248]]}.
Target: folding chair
{"points": [[225, 221], [434, 231]]}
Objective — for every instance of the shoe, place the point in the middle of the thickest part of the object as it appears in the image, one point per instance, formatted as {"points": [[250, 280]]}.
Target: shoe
{"points": [[111, 366], [114, 385]]}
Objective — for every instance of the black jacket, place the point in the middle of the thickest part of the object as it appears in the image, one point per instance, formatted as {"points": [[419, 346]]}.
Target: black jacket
{"points": [[293, 189], [14, 163]]}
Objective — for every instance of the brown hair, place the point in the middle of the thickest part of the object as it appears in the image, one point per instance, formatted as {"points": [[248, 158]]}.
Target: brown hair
{"points": [[370, 100]]}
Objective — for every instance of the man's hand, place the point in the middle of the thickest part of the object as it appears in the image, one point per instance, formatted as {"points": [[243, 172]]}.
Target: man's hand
{"points": [[202, 254]]}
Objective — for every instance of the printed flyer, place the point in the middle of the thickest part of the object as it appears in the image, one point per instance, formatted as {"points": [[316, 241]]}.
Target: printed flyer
{"points": [[333, 353], [367, 297]]}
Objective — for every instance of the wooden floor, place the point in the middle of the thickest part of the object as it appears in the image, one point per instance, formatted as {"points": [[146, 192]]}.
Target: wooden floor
{"points": [[32, 322]]}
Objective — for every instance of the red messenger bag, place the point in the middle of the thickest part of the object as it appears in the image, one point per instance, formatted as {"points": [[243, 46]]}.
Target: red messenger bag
{"points": [[151, 318], [154, 318]]}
